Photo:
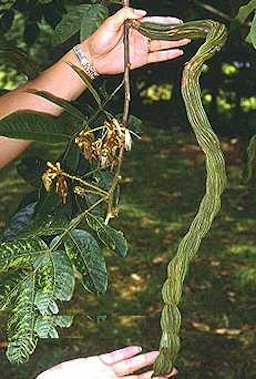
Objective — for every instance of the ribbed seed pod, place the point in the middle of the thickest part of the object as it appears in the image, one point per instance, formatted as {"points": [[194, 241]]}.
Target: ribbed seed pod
{"points": [[215, 34]]}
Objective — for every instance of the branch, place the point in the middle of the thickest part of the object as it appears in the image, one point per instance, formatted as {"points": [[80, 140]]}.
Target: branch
{"points": [[126, 68], [127, 100]]}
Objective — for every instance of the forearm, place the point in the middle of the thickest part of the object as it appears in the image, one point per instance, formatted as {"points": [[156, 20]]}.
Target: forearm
{"points": [[60, 80]]}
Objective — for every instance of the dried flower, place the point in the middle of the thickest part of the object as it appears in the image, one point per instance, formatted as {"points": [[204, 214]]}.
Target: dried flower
{"points": [[54, 174], [105, 148]]}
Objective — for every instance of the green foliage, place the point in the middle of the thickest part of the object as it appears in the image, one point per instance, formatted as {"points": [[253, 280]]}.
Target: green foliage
{"points": [[251, 151], [36, 126], [251, 38], [83, 19], [93, 17], [245, 11], [70, 23], [42, 244], [19, 59], [243, 14], [45, 277]]}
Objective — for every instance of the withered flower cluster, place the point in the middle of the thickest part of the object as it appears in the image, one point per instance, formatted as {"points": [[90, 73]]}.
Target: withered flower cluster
{"points": [[54, 174], [104, 148]]}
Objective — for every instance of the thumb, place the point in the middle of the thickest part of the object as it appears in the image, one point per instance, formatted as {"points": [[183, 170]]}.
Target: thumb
{"points": [[117, 20]]}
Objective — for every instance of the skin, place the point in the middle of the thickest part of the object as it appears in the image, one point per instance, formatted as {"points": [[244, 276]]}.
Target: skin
{"points": [[105, 50], [118, 364]]}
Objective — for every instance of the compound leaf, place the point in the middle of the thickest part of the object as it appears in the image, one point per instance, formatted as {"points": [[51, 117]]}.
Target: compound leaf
{"points": [[21, 337]]}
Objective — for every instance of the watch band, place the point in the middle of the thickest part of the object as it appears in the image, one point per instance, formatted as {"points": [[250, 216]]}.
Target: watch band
{"points": [[85, 63]]}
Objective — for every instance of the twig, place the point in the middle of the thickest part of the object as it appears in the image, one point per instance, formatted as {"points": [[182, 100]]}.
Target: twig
{"points": [[126, 68], [127, 100], [99, 190], [213, 10]]}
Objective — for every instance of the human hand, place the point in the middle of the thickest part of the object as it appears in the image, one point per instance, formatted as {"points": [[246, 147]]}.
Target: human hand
{"points": [[105, 47], [115, 365]]}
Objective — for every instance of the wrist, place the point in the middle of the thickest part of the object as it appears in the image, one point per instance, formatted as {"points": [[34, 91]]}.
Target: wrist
{"points": [[85, 59]]}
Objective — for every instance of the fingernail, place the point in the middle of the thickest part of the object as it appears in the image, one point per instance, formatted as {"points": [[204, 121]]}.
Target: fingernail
{"points": [[138, 348], [140, 12]]}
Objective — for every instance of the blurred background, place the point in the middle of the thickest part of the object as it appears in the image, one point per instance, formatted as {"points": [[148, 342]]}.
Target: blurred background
{"points": [[163, 182]]}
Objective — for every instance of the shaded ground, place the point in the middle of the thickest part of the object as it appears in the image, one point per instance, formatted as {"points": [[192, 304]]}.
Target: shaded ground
{"points": [[163, 184]]}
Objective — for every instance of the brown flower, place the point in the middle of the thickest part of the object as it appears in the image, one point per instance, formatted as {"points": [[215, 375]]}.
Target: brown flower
{"points": [[54, 174]]}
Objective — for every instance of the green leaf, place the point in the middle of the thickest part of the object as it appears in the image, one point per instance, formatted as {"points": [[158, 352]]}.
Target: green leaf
{"points": [[46, 303], [10, 288], [35, 126], [251, 38], [71, 157], [21, 337], [7, 4], [70, 23], [19, 221], [251, 164], [69, 108], [21, 253], [92, 18], [45, 326], [135, 124], [19, 350], [111, 238], [245, 11], [48, 227], [19, 59], [104, 179], [56, 279], [87, 82], [31, 168], [85, 253]]}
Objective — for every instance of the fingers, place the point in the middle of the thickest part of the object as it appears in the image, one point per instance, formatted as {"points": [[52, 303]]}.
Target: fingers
{"points": [[116, 21], [162, 20], [120, 355], [133, 364], [164, 45], [164, 55], [173, 373], [148, 375]]}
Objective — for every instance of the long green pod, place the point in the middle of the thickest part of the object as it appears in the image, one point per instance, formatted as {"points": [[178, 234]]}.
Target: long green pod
{"points": [[215, 36]]}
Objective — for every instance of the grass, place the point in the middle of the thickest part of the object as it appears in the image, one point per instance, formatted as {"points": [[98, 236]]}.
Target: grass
{"points": [[162, 187]]}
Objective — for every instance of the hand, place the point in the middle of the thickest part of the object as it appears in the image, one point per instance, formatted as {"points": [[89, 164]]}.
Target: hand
{"points": [[105, 47], [118, 364]]}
